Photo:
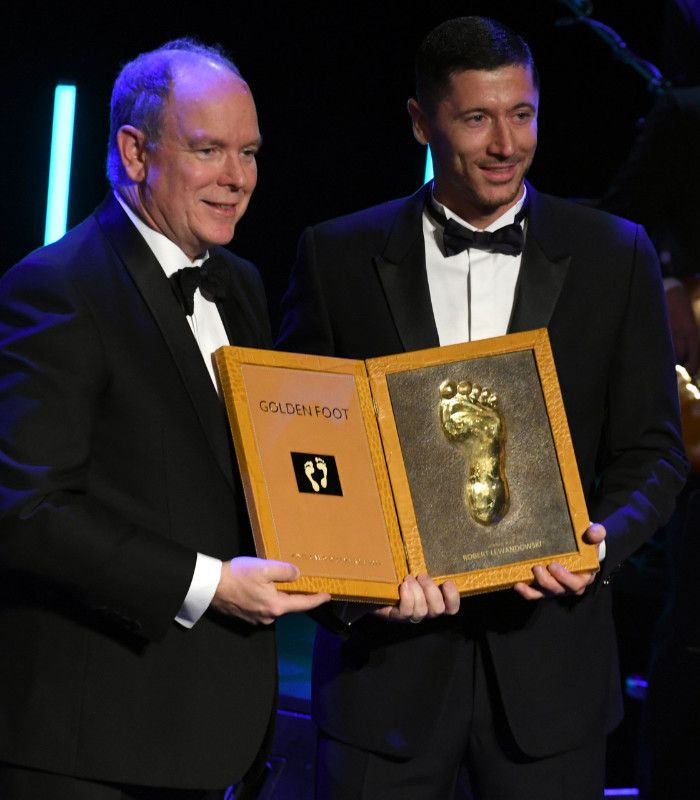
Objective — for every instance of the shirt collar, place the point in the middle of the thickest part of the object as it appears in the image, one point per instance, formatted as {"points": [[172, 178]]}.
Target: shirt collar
{"points": [[505, 219], [168, 254]]}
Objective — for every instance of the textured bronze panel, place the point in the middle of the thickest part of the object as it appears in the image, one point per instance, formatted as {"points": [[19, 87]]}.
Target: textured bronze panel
{"points": [[537, 522]]}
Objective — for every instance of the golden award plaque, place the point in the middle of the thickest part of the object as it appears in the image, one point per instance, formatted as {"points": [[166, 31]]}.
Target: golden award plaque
{"points": [[455, 461]]}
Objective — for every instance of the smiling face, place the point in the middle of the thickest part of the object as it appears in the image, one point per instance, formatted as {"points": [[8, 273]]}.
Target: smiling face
{"points": [[482, 136], [195, 182]]}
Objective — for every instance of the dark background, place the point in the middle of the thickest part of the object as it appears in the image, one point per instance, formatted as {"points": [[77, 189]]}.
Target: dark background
{"points": [[331, 82]]}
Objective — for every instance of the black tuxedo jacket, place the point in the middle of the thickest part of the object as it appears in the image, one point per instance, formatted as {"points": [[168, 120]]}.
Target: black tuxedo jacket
{"points": [[115, 469], [359, 289]]}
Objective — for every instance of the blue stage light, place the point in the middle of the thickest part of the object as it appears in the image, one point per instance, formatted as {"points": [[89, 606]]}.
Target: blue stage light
{"points": [[428, 166], [59, 168], [622, 792]]}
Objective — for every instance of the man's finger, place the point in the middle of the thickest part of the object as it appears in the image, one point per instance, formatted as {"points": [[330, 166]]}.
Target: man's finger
{"points": [[570, 581], [435, 604], [451, 597], [547, 582], [295, 603], [528, 592], [420, 604], [595, 534], [412, 605], [280, 571]]}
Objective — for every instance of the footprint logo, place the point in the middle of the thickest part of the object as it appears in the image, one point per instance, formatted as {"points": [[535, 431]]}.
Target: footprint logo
{"points": [[471, 420], [316, 473], [323, 469], [309, 470]]}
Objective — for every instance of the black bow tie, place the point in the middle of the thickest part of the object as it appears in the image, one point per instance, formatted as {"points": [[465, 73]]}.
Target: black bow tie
{"points": [[211, 278], [508, 240]]}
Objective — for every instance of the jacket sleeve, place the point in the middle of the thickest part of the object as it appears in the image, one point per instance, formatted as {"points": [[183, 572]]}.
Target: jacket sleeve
{"points": [[306, 326], [641, 459], [54, 533]]}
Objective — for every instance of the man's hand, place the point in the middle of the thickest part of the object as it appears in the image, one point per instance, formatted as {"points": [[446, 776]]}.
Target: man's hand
{"points": [[247, 590], [684, 329], [419, 597], [555, 580]]}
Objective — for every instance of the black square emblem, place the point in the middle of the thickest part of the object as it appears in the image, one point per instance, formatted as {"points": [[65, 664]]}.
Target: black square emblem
{"points": [[316, 473]]}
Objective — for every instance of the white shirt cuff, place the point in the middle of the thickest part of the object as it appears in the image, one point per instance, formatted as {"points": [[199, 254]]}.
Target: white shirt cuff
{"points": [[601, 550], [206, 577]]}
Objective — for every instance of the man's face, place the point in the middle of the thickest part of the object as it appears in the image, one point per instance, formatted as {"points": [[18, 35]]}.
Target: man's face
{"points": [[198, 178], [482, 136]]}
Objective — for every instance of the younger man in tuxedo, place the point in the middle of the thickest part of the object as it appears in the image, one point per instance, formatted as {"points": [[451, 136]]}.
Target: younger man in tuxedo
{"points": [[521, 686]]}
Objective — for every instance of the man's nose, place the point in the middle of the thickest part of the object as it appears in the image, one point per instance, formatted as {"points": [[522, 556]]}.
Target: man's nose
{"points": [[233, 173], [502, 140]]}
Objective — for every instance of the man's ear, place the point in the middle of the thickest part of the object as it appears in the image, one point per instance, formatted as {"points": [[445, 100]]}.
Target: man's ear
{"points": [[421, 128], [131, 143]]}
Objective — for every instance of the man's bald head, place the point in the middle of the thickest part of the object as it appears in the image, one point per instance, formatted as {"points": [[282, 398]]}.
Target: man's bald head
{"points": [[143, 87]]}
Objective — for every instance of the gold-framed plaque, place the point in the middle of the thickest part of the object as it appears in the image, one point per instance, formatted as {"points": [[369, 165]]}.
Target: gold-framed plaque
{"points": [[455, 461], [481, 462]]}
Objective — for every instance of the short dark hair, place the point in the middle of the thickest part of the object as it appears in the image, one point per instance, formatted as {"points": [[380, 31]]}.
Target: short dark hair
{"points": [[466, 43], [142, 88]]}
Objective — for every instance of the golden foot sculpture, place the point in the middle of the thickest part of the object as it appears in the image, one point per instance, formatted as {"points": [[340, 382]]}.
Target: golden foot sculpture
{"points": [[470, 418]]}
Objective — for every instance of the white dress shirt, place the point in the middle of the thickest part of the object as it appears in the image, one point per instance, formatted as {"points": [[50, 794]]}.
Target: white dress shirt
{"points": [[471, 292], [210, 334]]}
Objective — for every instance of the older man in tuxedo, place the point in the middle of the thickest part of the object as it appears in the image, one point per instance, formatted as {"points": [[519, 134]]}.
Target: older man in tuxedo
{"points": [[521, 686], [138, 661]]}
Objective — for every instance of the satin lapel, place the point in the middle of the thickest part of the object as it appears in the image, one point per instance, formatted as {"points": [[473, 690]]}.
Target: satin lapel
{"points": [[153, 286], [542, 273], [401, 271]]}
